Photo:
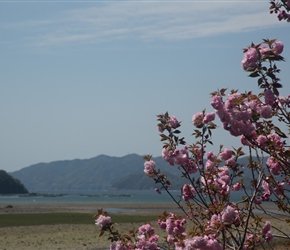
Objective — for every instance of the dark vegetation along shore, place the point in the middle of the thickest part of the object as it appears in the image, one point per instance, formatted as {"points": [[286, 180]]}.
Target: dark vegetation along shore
{"points": [[10, 185]]}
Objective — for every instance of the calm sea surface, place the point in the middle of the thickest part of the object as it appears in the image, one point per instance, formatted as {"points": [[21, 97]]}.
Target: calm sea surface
{"points": [[128, 196]]}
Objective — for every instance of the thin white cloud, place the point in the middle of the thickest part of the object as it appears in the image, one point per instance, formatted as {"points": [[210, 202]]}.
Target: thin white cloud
{"points": [[149, 21]]}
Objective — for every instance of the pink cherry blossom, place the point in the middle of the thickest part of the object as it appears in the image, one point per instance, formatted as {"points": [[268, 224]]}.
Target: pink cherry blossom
{"points": [[274, 166], [226, 154], [216, 102], [168, 156], [173, 122], [251, 56], [266, 228], [209, 118], [266, 111], [149, 167], [278, 47], [188, 192], [228, 215], [118, 246], [103, 220], [269, 97], [267, 191], [236, 186], [264, 50], [262, 141], [197, 119], [231, 162]]}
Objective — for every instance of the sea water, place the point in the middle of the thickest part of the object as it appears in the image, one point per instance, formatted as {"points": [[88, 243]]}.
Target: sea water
{"points": [[102, 196]]}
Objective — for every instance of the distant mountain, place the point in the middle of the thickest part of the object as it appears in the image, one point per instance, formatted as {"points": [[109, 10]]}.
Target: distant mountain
{"points": [[10, 185], [98, 173], [101, 172]]}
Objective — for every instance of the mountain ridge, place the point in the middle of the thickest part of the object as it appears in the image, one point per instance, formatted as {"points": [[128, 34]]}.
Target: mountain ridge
{"points": [[97, 173]]}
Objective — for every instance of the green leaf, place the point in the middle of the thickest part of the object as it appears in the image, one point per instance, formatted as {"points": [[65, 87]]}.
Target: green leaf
{"points": [[279, 132], [254, 74]]}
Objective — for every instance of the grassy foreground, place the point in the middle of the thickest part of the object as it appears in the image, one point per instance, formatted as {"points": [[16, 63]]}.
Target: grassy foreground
{"points": [[34, 219]]}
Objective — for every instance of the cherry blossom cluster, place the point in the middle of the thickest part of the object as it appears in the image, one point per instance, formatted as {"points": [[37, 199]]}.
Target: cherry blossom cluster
{"points": [[256, 54], [103, 220], [210, 219], [281, 8]]}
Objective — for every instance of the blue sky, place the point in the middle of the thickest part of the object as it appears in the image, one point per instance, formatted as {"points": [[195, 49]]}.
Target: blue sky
{"points": [[83, 78]]}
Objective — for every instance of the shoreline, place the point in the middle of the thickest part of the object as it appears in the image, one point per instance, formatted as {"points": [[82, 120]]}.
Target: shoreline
{"points": [[111, 208]]}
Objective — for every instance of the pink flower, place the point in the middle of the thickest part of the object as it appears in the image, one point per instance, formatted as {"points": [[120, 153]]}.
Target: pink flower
{"points": [[264, 50], [197, 119], [274, 166], [224, 115], [173, 122], [226, 154], [243, 115], [269, 97], [188, 192], [118, 246], [161, 224], [231, 162], [190, 167], [175, 226], [149, 167], [103, 220], [262, 141], [276, 140], [278, 47], [283, 15], [216, 102], [146, 229], [266, 111], [266, 228], [268, 236], [251, 57], [229, 214], [210, 156], [210, 166], [202, 243], [266, 231], [245, 141], [209, 118], [168, 156], [236, 187], [196, 242], [233, 101], [267, 191], [224, 171], [181, 156], [160, 128]]}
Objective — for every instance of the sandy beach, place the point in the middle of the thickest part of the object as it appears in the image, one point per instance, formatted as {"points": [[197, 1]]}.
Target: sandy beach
{"points": [[68, 236]]}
